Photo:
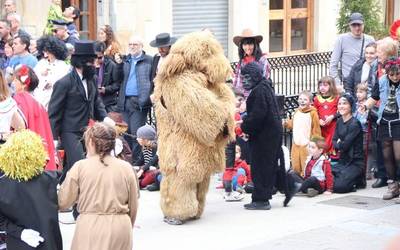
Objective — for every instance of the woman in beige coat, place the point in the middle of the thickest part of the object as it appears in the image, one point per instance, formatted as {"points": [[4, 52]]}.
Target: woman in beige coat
{"points": [[105, 190]]}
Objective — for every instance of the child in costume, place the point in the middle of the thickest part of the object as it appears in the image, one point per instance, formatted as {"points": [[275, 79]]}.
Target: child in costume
{"points": [[326, 103], [234, 179], [28, 196], [147, 162], [305, 124], [318, 174]]}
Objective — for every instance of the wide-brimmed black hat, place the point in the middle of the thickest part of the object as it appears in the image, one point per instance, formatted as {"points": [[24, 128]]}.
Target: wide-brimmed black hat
{"points": [[84, 48], [163, 40]]}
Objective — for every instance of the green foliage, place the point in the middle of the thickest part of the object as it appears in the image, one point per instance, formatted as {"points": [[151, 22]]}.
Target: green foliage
{"points": [[372, 12]]}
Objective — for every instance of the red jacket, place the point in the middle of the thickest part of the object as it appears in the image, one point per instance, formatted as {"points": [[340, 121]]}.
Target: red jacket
{"points": [[37, 121], [327, 184], [230, 172]]}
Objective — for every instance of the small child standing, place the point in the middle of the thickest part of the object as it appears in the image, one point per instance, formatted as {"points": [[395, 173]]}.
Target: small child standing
{"points": [[147, 162], [362, 116], [318, 174], [305, 124], [235, 178], [54, 14], [326, 103]]}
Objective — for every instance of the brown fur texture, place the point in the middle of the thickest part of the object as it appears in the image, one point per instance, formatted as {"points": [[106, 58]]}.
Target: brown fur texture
{"points": [[195, 119]]}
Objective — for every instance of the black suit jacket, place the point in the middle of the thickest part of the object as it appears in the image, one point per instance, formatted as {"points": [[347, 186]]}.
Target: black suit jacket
{"points": [[153, 71], [112, 77], [69, 109]]}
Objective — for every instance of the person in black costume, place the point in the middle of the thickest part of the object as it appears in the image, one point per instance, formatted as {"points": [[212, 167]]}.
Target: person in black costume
{"points": [[348, 141], [28, 195], [264, 127]]}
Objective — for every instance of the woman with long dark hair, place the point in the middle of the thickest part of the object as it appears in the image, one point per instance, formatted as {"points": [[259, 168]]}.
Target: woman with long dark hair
{"points": [[249, 51]]}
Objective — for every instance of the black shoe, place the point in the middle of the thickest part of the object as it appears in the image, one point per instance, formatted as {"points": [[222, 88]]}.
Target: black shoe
{"points": [[153, 187], [291, 193], [258, 205], [379, 183], [362, 183]]}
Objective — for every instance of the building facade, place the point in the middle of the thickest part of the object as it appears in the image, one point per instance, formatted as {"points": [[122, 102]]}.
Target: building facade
{"points": [[288, 26]]}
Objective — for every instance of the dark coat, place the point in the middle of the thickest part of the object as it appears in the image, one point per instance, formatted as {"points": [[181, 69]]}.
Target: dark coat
{"points": [[112, 77], [30, 205], [153, 73], [264, 127], [354, 77], [143, 70], [69, 109]]}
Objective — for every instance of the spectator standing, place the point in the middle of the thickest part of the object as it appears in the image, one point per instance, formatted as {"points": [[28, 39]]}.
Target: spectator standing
{"points": [[163, 43], [61, 32], [50, 68], [21, 53], [134, 95], [9, 7], [16, 29], [386, 48], [36, 117], [359, 73], [249, 51], [348, 48], [107, 36], [105, 190], [5, 35], [388, 93], [108, 78]]}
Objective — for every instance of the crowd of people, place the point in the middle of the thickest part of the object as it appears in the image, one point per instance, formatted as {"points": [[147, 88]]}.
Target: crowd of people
{"points": [[92, 102]]}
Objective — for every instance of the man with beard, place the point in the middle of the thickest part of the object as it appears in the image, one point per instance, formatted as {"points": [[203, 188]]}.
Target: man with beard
{"points": [[75, 103], [264, 127]]}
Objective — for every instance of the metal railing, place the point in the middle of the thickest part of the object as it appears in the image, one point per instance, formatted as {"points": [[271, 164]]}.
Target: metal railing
{"points": [[293, 74]]}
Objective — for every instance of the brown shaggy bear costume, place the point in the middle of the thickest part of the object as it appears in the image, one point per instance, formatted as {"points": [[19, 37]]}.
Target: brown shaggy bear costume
{"points": [[195, 120]]}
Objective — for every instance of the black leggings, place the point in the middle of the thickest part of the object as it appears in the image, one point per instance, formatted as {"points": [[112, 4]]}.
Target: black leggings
{"points": [[391, 156], [310, 182]]}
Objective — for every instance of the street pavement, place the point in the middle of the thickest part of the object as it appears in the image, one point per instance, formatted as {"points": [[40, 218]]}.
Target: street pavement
{"points": [[305, 224]]}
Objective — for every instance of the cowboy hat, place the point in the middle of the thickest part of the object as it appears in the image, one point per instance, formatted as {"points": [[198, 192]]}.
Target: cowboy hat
{"points": [[247, 33], [163, 40]]}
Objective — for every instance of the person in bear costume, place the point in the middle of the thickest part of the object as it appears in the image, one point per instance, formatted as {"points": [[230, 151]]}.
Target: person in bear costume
{"points": [[264, 127], [194, 110]]}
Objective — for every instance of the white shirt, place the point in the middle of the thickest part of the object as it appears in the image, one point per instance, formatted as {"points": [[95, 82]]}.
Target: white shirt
{"points": [[48, 74], [84, 83]]}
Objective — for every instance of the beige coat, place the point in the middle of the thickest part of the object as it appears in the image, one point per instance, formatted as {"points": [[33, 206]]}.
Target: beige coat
{"points": [[107, 202]]}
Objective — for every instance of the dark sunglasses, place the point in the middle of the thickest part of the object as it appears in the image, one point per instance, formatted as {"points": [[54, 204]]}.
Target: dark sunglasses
{"points": [[356, 24]]}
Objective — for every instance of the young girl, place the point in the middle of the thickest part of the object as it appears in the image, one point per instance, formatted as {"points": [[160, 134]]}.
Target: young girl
{"points": [[326, 103]]}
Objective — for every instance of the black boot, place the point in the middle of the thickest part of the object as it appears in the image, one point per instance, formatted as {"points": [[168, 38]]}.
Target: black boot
{"points": [[379, 183], [296, 187], [258, 205]]}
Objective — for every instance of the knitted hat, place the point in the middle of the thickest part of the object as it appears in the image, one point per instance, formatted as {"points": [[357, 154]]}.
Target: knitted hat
{"points": [[254, 70], [146, 132]]}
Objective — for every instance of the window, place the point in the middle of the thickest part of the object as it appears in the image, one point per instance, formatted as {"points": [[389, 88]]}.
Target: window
{"points": [[290, 26], [87, 22]]}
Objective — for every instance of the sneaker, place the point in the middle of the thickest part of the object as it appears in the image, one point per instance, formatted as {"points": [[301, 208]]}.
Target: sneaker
{"points": [[258, 205], [233, 196], [311, 192]]}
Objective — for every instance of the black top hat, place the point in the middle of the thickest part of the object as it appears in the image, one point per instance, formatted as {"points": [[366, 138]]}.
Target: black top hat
{"points": [[84, 48], [163, 40]]}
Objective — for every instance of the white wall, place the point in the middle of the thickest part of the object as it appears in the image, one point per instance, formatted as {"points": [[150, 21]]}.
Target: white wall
{"points": [[251, 14], [396, 9], [325, 18]]}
